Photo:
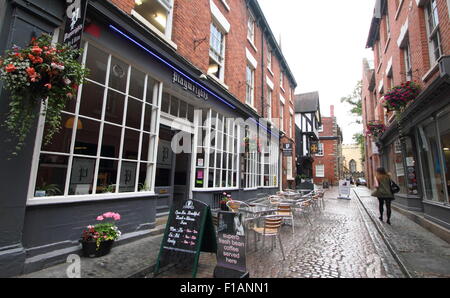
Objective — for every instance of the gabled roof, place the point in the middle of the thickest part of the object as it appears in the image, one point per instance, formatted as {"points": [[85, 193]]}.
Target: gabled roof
{"points": [[307, 102]]}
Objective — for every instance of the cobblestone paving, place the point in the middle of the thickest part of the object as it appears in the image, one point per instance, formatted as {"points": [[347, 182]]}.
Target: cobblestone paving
{"points": [[338, 244], [341, 242], [423, 253]]}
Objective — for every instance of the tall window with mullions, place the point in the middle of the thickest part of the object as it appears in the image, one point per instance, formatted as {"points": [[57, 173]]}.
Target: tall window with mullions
{"points": [[109, 133], [216, 151]]}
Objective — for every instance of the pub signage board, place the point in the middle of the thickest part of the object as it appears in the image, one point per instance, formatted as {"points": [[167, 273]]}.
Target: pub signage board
{"points": [[287, 149], [189, 230], [230, 246], [75, 15], [314, 147]]}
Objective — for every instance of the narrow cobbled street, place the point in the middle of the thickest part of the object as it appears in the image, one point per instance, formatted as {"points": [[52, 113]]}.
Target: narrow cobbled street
{"points": [[341, 242]]}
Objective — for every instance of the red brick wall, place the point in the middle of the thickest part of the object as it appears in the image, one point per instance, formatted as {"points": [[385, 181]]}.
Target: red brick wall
{"points": [[329, 160], [191, 33], [417, 32]]}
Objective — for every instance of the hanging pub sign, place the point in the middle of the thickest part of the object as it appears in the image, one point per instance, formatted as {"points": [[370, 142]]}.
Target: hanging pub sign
{"points": [[287, 149], [314, 147], [230, 246], [189, 230], [75, 15]]}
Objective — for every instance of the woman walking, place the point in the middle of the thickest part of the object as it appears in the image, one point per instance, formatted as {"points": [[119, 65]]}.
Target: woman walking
{"points": [[384, 193]]}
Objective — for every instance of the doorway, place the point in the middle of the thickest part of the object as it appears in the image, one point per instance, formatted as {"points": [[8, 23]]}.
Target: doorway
{"points": [[172, 179]]}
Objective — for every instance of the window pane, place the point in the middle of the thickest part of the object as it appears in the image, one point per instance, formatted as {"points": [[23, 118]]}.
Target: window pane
{"points": [[148, 118], [444, 129], [61, 140], [174, 106], [154, 13], [92, 100], [433, 174], [183, 110], [130, 144], [111, 141], [51, 177], [82, 176], [134, 113], [137, 83], [107, 176], [147, 142], [96, 62], [151, 97], [114, 107], [86, 140], [118, 74], [165, 102], [145, 177], [128, 177], [190, 115]]}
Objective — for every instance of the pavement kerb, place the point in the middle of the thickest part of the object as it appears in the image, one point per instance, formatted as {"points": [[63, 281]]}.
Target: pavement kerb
{"points": [[439, 231], [383, 235]]}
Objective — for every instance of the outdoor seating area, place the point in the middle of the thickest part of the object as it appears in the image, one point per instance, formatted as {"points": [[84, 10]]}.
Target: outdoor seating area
{"points": [[266, 216]]}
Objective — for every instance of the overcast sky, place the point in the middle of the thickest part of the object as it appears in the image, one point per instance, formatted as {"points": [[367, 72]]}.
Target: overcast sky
{"points": [[324, 43]]}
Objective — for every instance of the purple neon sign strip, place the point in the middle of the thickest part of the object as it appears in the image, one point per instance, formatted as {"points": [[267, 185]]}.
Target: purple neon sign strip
{"points": [[170, 66]]}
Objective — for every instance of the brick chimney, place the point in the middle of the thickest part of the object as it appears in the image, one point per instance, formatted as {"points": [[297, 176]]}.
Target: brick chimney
{"points": [[332, 111]]}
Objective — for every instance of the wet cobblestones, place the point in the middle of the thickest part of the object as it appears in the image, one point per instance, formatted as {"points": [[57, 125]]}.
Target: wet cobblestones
{"points": [[340, 243], [423, 253]]}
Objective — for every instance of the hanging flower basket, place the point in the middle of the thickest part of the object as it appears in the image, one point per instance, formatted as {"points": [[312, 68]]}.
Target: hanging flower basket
{"points": [[398, 97], [44, 73], [375, 129]]}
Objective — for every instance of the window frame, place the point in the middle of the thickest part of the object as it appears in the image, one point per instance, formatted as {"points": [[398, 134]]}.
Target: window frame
{"points": [[433, 33], [250, 85], [167, 35], [153, 132], [219, 58], [322, 171]]}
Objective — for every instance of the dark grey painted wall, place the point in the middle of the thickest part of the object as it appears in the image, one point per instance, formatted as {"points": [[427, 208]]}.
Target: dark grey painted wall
{"points": [[22, 21]]}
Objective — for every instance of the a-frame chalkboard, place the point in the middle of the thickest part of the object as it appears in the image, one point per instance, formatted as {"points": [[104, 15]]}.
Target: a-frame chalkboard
{"points": [[189, 231]]}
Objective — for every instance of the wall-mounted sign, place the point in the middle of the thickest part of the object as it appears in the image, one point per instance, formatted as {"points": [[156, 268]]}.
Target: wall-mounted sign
{"points": [[75, 15], [189, 86], [287, 149]]}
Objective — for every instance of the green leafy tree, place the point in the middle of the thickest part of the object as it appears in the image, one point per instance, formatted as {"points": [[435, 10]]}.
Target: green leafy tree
{"points": [[355, 101]]}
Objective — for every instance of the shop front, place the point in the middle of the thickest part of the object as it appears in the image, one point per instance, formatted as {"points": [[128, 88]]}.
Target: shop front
{"points": [[143, 132], [419, 159]]}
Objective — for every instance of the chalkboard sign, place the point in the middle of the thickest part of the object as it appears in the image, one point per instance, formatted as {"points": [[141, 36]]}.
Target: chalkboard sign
{"points": [[230, 246], [189, 230]]}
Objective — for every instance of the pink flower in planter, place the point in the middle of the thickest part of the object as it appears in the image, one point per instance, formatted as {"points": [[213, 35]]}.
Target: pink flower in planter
{"points": [[116, 216], [100, 217]]}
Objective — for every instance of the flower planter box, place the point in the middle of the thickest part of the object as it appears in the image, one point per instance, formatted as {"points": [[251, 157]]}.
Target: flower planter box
{"points": [[90, 248]]}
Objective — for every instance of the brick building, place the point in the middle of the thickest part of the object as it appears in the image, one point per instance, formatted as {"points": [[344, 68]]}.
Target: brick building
{"points": [[411, 42], [327, 165], [159, 70]]}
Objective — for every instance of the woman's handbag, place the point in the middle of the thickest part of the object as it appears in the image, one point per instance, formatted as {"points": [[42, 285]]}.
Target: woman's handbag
{"points": [[394, 187]]}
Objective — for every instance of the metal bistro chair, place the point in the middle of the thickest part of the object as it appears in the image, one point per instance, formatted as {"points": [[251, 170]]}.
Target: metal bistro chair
{"points": [[321, 194], [301, 208], [271, 228], [285, 211], [235, 205]]}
